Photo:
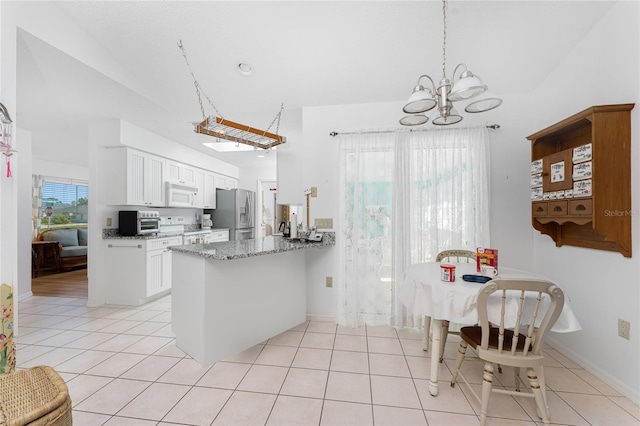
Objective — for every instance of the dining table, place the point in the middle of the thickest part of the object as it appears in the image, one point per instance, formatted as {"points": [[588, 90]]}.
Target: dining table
{"points": [[423, 293]]}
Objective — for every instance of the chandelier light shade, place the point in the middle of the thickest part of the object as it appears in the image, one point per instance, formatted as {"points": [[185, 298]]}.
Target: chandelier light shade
{"points": [[463, 86]]}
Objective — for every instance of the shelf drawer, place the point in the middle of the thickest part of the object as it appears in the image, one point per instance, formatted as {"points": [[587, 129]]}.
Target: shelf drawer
{"points": [[557, 208], [539, 209], [583, 206]]}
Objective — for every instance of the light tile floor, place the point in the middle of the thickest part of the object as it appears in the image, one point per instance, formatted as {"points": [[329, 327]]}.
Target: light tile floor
{"points": [[123, 368]]}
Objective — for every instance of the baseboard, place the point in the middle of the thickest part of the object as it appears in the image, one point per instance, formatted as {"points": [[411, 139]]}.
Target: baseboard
{"points": [[607, 378], [321, 318], [24, 296]]}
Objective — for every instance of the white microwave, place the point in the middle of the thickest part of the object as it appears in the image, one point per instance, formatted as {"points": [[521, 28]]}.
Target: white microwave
{"points": [[180, 195]]}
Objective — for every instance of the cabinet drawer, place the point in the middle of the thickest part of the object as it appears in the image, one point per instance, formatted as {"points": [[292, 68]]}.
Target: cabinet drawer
{"points": [[557, 208], [582, 206], [218, 236], [161, 243], [539, 209]]}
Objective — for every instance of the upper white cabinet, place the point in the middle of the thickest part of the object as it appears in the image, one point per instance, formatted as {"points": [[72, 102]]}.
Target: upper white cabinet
{"points": [[206, 184], [209, 190], [178, 172], [226, 182], [135, 178]]}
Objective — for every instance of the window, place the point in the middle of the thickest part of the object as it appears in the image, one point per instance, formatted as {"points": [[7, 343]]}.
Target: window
{"points": [[63, 203]]}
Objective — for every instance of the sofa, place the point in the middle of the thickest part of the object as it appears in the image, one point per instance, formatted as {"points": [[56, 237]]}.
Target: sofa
{"points": [[71, 250]]}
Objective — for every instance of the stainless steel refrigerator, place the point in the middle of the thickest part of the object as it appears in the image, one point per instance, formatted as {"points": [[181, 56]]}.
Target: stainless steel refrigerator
{"points": [[235, 209]]}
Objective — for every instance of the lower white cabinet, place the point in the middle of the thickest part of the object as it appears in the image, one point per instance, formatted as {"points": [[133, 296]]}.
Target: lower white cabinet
{"points": [[218, 236], [139, 270]]}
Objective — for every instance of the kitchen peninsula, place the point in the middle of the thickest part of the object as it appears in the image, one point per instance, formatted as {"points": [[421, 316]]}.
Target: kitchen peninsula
{"points": [[230, 296]]}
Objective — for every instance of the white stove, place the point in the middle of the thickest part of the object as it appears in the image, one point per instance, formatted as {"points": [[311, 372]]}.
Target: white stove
{"points": [[201, 236], [171, 224]]}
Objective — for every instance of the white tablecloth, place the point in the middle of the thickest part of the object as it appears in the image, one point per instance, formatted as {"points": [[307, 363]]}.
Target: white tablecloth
{"points": [[423, 293]]}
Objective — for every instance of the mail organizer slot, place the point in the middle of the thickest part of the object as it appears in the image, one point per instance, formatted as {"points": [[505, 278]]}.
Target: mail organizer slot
{"points": [[581, 207], [539, 209], [557, 208]]}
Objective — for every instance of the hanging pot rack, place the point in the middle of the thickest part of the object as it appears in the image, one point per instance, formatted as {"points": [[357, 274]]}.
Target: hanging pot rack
{"points": [[221, 128], [239, 133]]}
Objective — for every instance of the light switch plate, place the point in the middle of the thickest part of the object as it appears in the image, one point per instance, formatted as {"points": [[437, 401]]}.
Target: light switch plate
{"points": [[314, 191], [624, 329], [108, 221], [329, 281]]}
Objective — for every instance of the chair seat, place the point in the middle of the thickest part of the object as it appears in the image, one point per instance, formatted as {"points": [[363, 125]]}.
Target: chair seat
{"points": [[473, 336], [35, 396]]}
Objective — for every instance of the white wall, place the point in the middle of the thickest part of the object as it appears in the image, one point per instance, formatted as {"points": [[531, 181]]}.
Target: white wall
{"points": [[602, 286], [24, 201], [599, 71]]}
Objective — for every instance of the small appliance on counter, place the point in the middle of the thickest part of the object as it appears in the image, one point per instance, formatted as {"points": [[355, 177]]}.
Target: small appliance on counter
{"points": [[138, 222], [206, 223]]}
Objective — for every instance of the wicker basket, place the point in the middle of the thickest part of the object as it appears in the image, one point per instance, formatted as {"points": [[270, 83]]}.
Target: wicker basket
{"points": [[35, 396]]}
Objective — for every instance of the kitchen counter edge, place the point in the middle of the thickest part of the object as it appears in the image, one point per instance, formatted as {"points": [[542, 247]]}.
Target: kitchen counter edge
{"points": [[115, 236], [242, 249]]}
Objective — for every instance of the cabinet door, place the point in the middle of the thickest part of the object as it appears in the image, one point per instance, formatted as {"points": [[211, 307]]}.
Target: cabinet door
{"points": [[154, 180], [232, 183], [209, 191], [166, 269], [188, 175], [199, 200], [173, 171], [156, 266], [136, 178], [178, 172], [226, 182]]}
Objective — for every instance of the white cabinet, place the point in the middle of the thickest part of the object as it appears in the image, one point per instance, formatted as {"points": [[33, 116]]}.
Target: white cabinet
{"points": [[159, 264], [206, 184], [209, 190], [182, 173], [199, 198], [139, 270], [218, 235], [134, 178], [226, 182]]}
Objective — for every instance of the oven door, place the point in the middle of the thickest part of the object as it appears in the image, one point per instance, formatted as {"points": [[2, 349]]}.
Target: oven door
{"points": [[148, 225]]}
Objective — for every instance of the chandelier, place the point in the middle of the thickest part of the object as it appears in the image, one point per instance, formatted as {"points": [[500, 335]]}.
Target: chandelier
{"points": [[466, 86]]}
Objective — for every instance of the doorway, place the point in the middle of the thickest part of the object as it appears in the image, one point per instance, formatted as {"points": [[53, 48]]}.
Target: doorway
{"points": [[267, 192]]}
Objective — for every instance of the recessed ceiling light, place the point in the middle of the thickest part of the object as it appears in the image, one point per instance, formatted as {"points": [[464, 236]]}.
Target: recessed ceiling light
{"points": [[245, 68]]}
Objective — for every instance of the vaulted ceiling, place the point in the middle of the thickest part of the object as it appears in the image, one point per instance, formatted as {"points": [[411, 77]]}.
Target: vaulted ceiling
{"points": [[304, 53]]}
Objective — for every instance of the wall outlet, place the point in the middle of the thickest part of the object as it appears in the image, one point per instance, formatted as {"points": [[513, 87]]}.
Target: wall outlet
{"points": [[329, 281], [624, 329], [324, 223], [108, 221], [314, 191]]}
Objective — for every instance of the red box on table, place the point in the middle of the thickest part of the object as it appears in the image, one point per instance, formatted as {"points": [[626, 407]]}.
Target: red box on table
{"points": [[486, 256]]}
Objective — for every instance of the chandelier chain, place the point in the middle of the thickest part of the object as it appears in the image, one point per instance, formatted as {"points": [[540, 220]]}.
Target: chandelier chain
{"points": [[444, 38], [199, 91]]}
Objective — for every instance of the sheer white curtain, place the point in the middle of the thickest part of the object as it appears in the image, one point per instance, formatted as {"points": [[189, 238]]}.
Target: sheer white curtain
{"points": [[405, 197]]}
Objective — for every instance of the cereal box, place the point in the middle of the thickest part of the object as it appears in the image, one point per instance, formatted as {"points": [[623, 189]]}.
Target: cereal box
{"points": [[486, 256]]}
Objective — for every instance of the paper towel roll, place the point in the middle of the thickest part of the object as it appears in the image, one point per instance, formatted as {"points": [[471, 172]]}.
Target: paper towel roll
{"points": [[294, 226]]}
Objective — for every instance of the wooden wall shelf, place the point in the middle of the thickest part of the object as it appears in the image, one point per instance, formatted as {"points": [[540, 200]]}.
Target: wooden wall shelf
{"points": [[581, 179]]}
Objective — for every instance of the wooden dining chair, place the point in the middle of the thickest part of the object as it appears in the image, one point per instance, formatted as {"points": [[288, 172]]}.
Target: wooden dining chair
{"points": [[519, 346], [452, 256]]}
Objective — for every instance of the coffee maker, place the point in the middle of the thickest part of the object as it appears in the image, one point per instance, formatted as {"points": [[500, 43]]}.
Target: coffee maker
{"points": [[206, 223]]}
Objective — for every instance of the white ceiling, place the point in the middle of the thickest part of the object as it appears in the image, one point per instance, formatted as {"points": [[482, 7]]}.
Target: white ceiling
{"points": [[305, 53]]}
